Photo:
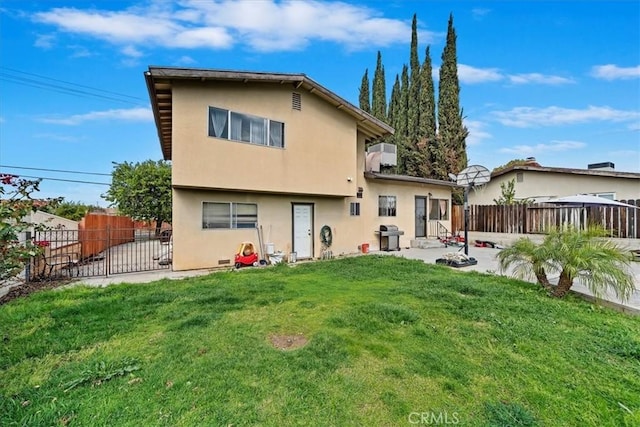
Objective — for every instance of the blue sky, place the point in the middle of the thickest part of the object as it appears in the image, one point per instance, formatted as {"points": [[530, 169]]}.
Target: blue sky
{"points": [[558, 80]]}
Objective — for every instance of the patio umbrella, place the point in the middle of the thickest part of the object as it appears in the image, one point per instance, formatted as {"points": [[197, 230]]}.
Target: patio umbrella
{"points": [[585, 200]]}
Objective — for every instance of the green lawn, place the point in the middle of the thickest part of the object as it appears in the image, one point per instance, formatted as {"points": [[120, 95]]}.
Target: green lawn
{"points": [[389, 342]]}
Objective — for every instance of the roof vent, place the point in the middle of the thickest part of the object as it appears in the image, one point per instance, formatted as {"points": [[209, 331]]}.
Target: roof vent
{"points": [[604, 166], [296, 101]]}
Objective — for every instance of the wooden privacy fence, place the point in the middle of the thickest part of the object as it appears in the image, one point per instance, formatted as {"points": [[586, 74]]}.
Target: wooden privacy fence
{"points": [[538, 218], [98, 232]]}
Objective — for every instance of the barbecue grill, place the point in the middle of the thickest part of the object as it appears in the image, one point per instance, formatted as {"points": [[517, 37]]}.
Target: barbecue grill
{"points": [[389, 237]]}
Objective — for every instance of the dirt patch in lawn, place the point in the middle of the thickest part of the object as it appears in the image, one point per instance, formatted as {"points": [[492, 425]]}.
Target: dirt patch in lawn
{"points": [[288, 342], [27, 288]]}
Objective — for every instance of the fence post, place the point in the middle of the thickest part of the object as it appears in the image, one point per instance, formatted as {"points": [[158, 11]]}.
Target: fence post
{"points": [[27, 264], [107, 267]]}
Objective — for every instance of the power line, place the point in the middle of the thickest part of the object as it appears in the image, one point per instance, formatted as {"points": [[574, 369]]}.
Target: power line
{"points": [[65, 180], [55, 170], [69, 89]]}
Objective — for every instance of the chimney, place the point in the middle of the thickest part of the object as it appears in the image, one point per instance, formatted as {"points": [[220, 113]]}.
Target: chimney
{"points": [[604, 166], [531, 161]]}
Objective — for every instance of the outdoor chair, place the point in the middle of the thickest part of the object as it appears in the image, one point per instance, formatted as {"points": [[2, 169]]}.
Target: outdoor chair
{"points": [[59, 263]]}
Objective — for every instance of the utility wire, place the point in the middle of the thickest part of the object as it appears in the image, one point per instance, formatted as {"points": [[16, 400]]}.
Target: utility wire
{"points": [[55, 170], [72, 84], [65, 180], [69, 89]]}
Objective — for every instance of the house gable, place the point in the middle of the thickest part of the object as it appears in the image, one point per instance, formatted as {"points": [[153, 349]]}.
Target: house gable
{"points": [[540, 183], [321, 132]]}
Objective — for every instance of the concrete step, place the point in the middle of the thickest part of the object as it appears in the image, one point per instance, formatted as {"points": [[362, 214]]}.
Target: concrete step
{"points": [[424, 243]]}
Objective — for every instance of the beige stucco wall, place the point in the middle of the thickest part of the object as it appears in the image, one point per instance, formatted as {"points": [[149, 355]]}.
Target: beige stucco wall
{"points": [[318, 157], [322, 164], [551, 184], [195, 247], [52, 221]]}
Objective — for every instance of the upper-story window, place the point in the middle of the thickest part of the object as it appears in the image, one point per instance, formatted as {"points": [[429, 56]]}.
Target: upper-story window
{"points": [[227, 124]]}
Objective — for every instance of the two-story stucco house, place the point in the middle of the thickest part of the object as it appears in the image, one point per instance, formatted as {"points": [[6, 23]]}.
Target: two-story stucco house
{"points": [[282, 153]]}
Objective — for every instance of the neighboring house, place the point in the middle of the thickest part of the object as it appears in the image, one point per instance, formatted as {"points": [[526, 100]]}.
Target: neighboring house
{"points": [[54, 223], [282, 153], [538, 183]]}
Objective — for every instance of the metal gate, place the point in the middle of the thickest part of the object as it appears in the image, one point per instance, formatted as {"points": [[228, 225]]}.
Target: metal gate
{"points": [[101, 252]]}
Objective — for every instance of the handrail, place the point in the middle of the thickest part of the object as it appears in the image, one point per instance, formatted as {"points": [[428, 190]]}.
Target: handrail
{"points": [[443, 232]]}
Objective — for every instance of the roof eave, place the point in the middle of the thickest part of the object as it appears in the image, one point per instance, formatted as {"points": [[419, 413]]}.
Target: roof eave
{"points": [[409, 179], [370, 126]]}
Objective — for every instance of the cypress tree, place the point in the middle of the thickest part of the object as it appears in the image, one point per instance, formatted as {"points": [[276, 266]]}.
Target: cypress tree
{"points": [[365, 103], [451, 131], [427, 113], [394, 111], [402, 129], [394, 103], [379, 100], [403, 125], [414, 88]]}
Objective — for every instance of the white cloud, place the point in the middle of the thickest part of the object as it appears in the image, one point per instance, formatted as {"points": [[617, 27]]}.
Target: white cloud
{"points": [[613, 72], [54, 137], [44, 41], [539, 79], [266, 25], [131, 52], [538, 149], [554, 116], [80, 51], [635, 126], [479, 13], [471, 75], [186, 60], [476, 132], [133, 114]]}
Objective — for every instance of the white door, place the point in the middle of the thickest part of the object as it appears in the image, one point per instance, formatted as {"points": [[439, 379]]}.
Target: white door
{"points": [[303, 230]]}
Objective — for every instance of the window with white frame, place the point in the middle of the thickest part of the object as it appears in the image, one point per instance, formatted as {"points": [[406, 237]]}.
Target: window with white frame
{"points": [[610, 196], [386, 205], [235, 126], [354, 209], [229, 215], [439, 209]]}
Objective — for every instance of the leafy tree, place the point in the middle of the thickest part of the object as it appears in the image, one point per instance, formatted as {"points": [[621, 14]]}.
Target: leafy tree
{"points": [[573, 254], [74, 211], [403, 111], [379, 99], [451, 130], [364, 99], [428, 127], [426, 147], [414, 90], [508, 194], [516, 162], [16, 203], [402, 124], [142, 190], [394, 103]]}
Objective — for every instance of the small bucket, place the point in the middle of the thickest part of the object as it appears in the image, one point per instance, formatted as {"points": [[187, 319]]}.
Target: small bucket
{"points": [[365, 248], [293, 257]]}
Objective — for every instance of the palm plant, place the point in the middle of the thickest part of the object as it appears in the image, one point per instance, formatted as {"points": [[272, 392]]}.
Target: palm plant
{"points": [[572, 254]]}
